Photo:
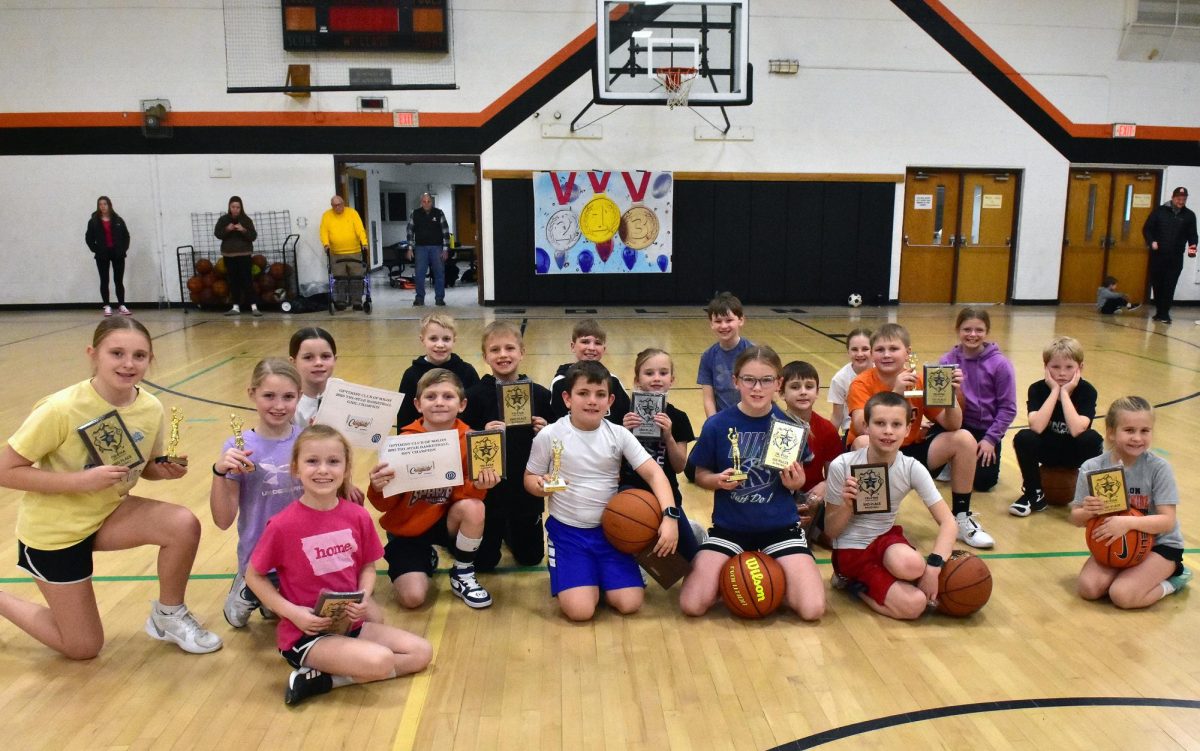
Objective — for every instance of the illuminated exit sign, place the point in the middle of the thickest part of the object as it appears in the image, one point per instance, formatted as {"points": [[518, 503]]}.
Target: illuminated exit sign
{"points": [[1124, 130], [405, 119]]}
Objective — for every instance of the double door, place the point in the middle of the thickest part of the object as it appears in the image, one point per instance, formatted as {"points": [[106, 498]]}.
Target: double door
{"points": [[1102, 235], [959, 227]]}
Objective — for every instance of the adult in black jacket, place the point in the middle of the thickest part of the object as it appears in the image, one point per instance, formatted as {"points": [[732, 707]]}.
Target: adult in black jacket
{"points": [[108, 239], [1167, 230], [237, 234]]}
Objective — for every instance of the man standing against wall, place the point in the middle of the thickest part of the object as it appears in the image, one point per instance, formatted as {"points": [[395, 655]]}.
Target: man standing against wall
{"points": [[1168, 228], [429, 242]]}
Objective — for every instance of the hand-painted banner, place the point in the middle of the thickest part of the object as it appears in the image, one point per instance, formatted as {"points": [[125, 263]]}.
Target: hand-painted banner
{"points": [[602, 222]]}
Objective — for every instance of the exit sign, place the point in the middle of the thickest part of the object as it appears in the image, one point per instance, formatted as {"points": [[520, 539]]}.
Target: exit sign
{"points": [[405, 119], [1124, 130]]}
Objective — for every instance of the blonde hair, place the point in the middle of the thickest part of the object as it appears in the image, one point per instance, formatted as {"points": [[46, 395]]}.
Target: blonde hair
{"points": [[441, 319], [1063, 345], [274, 366], [322, 433], [501, 328], [645, 355], [1126, 404], [436, 376], [891, 331]]}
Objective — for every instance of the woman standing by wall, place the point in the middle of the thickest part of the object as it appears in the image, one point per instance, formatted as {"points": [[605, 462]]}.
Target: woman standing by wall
{"points": [[237, 234], [108, 238]]}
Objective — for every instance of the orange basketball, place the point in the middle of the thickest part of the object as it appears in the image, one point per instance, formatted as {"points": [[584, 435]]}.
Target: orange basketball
{"points": [[1126, 551], [964, 585], [277, 270], [195, 284], [204, 266], [631, 520], [752, 585], [259, 260], [220, 288]]}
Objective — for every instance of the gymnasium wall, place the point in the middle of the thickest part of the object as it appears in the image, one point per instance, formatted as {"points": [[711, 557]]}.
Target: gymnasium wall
{"points": [[875, 94]]}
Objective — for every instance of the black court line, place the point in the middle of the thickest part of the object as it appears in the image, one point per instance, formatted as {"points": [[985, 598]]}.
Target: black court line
{"points": [[182, 328], [906, 718], [173, 392], [1155, 331], [47, 333], [839, 339], [524, 323]]}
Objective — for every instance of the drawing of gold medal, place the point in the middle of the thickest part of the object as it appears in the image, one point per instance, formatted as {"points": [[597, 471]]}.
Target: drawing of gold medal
{"points": [[600, 219]]}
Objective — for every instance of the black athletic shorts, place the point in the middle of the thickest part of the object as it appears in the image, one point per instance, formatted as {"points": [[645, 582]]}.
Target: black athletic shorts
{"points": [[1171, 554], [299, 651], [405, 555], [775, 542], [64, 566]]}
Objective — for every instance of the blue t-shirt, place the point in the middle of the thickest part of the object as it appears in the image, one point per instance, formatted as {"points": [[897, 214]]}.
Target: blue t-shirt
{"points": [[761, 503], [716, 370]]}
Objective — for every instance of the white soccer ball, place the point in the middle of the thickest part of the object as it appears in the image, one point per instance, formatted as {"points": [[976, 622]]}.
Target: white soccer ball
{"points": [[854, 300]]}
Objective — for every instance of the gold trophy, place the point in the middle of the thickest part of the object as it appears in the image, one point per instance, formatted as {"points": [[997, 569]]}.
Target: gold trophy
{"points": [[173, 441], [556, 482], [735, 453], [236, 424], [912, 363]]}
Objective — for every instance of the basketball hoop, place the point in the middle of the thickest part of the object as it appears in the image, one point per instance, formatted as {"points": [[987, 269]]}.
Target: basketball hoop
{"points": [[678, 83]]}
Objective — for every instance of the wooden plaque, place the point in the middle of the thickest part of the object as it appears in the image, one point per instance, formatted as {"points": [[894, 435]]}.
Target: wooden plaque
{"points": [[1109, 486], [939, 386], [485, 448], [516, 402], [874, 492], [647, 404], [785, 442], [109, 442]]}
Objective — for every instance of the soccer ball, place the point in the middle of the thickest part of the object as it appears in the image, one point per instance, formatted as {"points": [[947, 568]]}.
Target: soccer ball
{"points": [[854, 300]]}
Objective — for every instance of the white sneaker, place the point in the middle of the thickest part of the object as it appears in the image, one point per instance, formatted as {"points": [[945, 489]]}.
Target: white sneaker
{"points": [[124, 311], [183, 629], [234, 311], [971, 533], [108, 311], [239, 603]]}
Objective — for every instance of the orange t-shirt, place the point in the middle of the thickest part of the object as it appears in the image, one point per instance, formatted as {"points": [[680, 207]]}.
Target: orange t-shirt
{"points": [[413, 513], [868, 384]]}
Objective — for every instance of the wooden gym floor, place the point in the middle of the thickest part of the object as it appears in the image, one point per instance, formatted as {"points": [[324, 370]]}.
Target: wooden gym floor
{"points": [[1037, 668]]}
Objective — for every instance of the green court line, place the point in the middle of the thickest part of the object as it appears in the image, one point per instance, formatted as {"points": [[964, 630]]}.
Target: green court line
{"points": [[200, 372], [538, 569]]}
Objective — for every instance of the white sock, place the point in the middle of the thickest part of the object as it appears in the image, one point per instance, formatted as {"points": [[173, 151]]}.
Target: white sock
{"points": [[468, 544], [1167, 588], [341, 680], [236, 308], [168, 609], [253, 306]]}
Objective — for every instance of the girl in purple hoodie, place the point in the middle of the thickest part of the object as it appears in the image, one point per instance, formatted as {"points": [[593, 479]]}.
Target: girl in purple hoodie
{"points": [[989, 391]]}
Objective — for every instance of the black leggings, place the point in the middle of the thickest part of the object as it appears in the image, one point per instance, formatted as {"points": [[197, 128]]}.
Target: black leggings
{"points": [[241, 285], [118, 274], [1052, 450]]}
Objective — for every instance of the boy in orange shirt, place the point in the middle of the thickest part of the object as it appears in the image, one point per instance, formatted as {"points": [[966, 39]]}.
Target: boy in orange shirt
{"points": [[946, 442], [451, 517]]}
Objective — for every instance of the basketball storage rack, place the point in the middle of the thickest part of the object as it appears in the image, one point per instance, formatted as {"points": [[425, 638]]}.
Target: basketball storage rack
{"points": [[203, 284]]}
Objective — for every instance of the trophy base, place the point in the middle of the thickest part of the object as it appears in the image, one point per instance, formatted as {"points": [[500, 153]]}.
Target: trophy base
{"points": [[554, 487], [180, 460], [738, 476], [913, 394]]}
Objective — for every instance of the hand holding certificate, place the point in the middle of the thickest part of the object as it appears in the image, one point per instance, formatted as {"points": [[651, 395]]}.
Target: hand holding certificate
{"points": [[363, 414], [422, 461]]}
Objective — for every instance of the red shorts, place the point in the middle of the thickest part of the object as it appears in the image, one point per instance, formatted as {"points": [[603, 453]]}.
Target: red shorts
{"points": [[866, 565]]}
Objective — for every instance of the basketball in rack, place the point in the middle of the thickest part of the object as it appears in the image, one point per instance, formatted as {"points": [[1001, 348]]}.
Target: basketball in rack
{"points": [[678, 83]]}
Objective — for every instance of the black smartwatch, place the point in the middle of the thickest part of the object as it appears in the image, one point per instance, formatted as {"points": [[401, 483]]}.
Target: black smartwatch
{"points": [[671, 513], [935, 560]]}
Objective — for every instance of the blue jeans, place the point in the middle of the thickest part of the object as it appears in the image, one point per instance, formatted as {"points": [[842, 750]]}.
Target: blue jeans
{"points": [[427, 256]]}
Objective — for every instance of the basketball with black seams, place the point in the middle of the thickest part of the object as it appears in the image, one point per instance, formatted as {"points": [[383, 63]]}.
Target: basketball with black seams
{"points": [[1126, 551], [631, 519], [752, 585], [964, 586]]}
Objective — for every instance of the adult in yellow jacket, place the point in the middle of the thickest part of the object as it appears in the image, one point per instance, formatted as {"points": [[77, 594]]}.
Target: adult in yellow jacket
{"points": [[342, 230]]}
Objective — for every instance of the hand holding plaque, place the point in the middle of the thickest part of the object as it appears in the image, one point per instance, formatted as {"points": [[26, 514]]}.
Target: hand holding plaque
{"points": [[785, 442], [555, 481], [485, 450], [516, 402], [173, 456], [874, 493], [647, 404], [939, 386], [332, 605], [109, 442], [1109, 486]]}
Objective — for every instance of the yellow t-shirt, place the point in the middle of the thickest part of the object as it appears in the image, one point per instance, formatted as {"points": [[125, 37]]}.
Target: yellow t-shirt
{"points": [[343, 234], [52, 521]]}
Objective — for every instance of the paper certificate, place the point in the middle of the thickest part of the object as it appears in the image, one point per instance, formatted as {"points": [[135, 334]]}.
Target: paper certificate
{"points": [[363, 414], [1109, 486], [516, 402], [109, 442], [874, 492], [422, 461], [785, 441], [939, 386], [485, 448], [647, 404]]}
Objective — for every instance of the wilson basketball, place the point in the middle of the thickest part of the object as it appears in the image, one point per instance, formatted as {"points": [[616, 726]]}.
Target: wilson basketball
{"points": [[631, 520], [204, 266], [964, 585], [1126, 551], [752, 585]]}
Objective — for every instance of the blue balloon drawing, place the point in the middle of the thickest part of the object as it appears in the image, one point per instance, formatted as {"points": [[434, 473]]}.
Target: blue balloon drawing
{"points": [[586, 259], [560, 258], [661, 186], [663, 261], [629, 256], [541, 261]]}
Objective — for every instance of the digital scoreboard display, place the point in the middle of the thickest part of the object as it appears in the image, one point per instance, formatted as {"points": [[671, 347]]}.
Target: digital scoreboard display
{"points": [[363, 25]]}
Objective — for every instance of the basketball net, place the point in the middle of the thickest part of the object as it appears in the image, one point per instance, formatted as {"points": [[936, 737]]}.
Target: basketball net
{"points": [[678, 83]]}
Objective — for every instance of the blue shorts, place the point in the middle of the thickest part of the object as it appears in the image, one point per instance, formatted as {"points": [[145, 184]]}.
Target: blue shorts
{"points": [[585, 558]]}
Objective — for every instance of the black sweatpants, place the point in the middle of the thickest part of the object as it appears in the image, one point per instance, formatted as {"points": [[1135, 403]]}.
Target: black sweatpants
{"points": [[1052, 450]]}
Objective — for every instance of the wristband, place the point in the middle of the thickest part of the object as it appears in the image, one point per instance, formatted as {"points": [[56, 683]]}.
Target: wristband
{"points": [[218, 474], [935, 560]]}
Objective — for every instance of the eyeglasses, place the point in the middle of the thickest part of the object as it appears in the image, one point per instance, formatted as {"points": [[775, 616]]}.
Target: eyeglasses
{"points": [[750, 381]]}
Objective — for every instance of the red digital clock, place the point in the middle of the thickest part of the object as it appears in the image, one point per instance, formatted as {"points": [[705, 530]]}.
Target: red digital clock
{"points": [[384, 25]]}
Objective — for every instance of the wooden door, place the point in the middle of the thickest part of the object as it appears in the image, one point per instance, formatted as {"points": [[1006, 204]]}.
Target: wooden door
{"points": [[466, 223], [985, 251], [1134, 195], [930, 236], [1085, 234]]}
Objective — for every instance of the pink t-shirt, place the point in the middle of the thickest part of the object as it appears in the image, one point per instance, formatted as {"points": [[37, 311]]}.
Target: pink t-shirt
{"points": [[313, 550]]}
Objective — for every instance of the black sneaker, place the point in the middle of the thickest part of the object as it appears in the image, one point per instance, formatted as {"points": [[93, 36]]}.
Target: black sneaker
{"points": [[1028, 504], [418, 303], [304, 683]]}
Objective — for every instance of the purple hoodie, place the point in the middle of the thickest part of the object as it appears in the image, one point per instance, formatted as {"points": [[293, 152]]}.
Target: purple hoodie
{"points": [[989, 390]]}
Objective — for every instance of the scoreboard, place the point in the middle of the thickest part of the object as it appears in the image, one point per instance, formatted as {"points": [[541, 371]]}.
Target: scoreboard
{"points": [[364, 25]]}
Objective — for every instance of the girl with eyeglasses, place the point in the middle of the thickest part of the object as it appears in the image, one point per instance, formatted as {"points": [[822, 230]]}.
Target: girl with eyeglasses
{"points": [[757, 512]]}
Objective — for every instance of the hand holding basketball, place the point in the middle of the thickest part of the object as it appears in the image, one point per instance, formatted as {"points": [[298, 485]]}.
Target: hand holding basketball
{"points": [[928, 583], [965, 584], [1115, 543], [1109, 528], [632, 519], [668, 536]]}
